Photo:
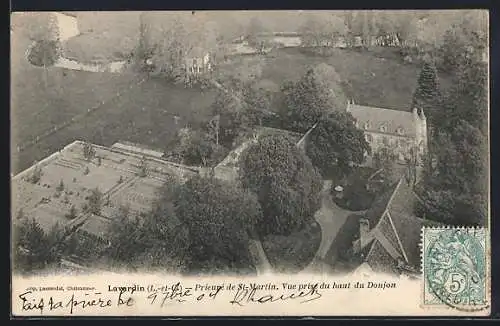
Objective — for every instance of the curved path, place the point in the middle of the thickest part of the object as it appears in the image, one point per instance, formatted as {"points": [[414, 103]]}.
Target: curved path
{"points": [[331, 218]]}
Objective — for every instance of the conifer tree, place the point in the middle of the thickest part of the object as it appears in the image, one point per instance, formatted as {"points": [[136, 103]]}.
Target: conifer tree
{"points": [[427, 96]]}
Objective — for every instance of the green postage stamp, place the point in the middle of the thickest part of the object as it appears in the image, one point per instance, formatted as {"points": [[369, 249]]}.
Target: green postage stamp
{"points": [[455, 268]]}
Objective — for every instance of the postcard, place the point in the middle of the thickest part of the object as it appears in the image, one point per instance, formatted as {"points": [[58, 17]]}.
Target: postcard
{"points": [[250, 163]]}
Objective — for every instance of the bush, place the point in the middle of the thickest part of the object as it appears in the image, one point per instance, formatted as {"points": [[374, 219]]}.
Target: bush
{"points": [[294, 252], [72, 213], [44, 53]]}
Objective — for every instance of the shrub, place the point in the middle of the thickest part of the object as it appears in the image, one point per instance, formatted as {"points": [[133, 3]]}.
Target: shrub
{"points": [[60, 186], [72, 214], [44, 53], [294, 252]]}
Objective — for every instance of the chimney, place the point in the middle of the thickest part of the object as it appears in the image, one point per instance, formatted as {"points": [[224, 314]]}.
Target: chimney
{"points": [[364, 232]]}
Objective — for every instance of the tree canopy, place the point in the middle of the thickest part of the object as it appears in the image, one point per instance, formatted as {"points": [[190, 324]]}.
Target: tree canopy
{"points": [[44, 53], [315, 94], [468, 98], [456, 183], [336, 144], [285, 181], [427, 95], [229, 109], [34, 249], [219, 216], [156, 240], [322, 30]]}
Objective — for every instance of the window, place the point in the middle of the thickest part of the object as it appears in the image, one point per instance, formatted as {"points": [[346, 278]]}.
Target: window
{"points": [[366, 125], [385, 141], [400, 131], [195, 62], [369, 138], [383, 128]]}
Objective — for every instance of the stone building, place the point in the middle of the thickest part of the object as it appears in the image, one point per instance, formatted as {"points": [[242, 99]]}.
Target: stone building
{"points": [[402, 132], [385, 238]]}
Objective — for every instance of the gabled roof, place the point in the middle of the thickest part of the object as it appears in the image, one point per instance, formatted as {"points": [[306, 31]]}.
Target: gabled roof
{"points": [[398, 225], [379, 206], [405, 222], [374, 118]]}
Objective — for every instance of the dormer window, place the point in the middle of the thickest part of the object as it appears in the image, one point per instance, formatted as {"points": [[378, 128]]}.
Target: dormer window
{"points": [[356, 123], [366, 125], [383, 128]]}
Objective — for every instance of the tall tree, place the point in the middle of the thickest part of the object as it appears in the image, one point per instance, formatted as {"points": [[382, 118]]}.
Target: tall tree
{"points": [[201, 150], [95, 201], [315, 94], [175, 37], [33, 248], [42, 30], [229, 108], [312, 33], [456, 184], [468, 98], [427, 95], [285, 181], [336, 144], [253, 33], [465, 40], [155, 241], [219, 216]]}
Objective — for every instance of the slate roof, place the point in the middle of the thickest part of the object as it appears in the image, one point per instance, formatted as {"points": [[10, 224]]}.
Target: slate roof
{"points": [[394, 218], [374, 118], [379, 205]]}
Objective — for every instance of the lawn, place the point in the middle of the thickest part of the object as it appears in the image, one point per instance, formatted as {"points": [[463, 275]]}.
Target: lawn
{"points": [[143, 114], [376, 79], [292, 253], [105, 36], [44, 98]]}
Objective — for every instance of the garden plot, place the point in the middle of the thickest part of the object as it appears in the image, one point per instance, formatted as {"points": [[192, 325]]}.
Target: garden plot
{"points": [[139, 195]]}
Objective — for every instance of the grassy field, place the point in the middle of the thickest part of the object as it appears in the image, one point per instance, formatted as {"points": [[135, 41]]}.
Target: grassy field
{"points": [[377, 78], [144, 114], [42, 98], [105, 36]]}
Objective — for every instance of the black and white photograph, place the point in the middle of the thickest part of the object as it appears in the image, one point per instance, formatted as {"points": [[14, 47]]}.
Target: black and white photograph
{"points": [[248, 143]]}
